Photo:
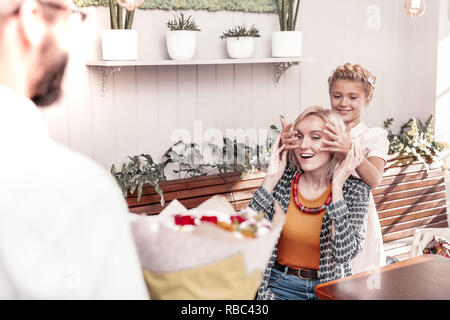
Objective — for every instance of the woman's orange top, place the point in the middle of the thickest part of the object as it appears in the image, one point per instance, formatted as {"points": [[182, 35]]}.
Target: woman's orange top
{"points": [[299, 244]]}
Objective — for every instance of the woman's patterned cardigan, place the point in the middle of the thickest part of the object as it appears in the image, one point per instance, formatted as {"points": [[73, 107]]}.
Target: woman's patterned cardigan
{"points": [[349, 217]]}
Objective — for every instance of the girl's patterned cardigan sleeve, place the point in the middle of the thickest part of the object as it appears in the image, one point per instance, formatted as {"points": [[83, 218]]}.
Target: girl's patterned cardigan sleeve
{"points": [[337, 249]]}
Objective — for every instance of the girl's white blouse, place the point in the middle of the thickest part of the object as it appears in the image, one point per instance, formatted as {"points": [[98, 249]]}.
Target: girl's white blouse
{"points": [[373, 143]]}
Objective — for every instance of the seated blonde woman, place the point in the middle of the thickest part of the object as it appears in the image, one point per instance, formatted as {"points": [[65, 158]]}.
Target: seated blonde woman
{"points": [[325, 210]]}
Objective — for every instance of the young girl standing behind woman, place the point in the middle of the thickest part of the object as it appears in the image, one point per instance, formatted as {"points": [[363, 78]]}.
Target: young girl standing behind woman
{"points": [[351, 89]]}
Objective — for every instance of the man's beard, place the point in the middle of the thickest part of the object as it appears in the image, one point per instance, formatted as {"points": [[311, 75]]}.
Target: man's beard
{"points": [[47, 89]]}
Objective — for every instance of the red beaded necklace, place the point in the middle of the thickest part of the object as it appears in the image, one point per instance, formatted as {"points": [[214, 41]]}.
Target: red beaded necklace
{"points": [[302, 207]]}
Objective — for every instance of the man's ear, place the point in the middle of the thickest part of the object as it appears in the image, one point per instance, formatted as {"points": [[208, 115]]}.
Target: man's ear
{"points": [[31, 23]]}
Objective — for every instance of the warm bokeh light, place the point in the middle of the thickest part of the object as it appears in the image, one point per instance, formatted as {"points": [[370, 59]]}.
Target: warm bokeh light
{"points": [[414, 8]]}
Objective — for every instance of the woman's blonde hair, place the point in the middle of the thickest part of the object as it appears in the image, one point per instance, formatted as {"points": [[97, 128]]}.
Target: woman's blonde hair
{"points": [[355, 73], [328, 117]]}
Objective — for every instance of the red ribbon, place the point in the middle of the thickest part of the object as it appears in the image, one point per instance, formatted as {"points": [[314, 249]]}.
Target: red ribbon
{"points": [[212, 219], [184, 220]]}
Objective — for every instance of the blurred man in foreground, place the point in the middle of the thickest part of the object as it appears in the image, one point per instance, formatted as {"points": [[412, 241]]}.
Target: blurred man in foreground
{"points": [[64, 232]]}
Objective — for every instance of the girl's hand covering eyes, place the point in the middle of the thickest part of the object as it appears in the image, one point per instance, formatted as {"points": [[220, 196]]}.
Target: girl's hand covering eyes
{"points": [[339, 143], [352, 160], [288, 138]]}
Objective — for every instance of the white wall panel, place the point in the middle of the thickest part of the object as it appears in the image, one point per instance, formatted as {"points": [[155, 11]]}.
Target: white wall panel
{"points": [[167, 105], [125, 121], [206, 95], [147, 111], [242, 96], [262, 78], [225, 97], [187, 97], [103, 115]]}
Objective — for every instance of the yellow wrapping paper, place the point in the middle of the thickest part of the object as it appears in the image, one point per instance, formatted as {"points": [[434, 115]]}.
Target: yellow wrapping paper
{"points": [[223, 280]]}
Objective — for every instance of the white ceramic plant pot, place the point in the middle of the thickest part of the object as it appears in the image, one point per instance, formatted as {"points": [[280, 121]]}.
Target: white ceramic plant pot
{"points": [[286, 44], [181, 44], [119, 44], [240, 48]]}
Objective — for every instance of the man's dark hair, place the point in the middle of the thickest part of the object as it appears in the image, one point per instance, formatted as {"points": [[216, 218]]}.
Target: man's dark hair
{"points": [[48, 88]]}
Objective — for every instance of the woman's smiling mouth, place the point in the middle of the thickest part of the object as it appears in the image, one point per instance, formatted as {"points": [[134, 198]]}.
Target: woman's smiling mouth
{"points": [[306, 155]]}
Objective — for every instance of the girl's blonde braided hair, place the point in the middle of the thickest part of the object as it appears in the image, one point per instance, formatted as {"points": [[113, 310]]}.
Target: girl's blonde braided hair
{"points": [[355, 73]]}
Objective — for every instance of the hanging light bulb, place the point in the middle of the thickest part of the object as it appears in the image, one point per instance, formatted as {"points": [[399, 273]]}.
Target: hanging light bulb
{"points": [[414, 8]]}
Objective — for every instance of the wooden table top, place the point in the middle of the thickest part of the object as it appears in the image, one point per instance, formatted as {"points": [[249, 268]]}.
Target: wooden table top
{"points": [[425, 277]]}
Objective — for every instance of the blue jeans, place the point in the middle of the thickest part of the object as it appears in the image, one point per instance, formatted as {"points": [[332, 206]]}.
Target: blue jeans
{"points": [[289, 287]]}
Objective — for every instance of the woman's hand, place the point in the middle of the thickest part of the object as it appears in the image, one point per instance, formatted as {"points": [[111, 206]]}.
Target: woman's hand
{"points": [[340, 143], [353, 159], [288, 137], [277, 165]]}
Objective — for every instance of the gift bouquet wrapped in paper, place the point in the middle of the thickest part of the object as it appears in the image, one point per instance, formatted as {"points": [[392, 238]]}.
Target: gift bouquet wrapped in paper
{"points": [[210, 252]]}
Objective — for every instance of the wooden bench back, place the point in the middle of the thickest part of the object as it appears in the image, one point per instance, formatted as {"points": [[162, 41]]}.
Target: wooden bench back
{"points": [[408, 198], [192, 192]]}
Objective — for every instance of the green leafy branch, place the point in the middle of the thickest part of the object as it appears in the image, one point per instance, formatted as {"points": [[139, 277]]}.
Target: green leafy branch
{"points": [[138, 171], [416, 139]]}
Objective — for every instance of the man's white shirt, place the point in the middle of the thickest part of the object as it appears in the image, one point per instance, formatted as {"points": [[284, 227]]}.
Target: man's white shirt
{"points": [[64, 231]]}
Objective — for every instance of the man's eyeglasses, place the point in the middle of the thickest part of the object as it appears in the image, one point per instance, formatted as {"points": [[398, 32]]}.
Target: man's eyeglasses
{"points": [[58, 6], [62, 7]]}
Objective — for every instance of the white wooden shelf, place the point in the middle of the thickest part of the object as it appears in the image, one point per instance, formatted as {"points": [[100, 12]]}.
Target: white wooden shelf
{"points": [[133, 63], [106, 67]]}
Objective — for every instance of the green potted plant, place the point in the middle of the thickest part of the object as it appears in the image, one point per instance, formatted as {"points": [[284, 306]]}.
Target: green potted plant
{"points": [[120, 42], [181, 39], [240, 41], [287, 42], [416, 142]]}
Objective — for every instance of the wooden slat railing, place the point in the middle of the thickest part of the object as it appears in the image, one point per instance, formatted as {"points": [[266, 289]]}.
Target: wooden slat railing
{"points": [[409, 197], [192, 192]]}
